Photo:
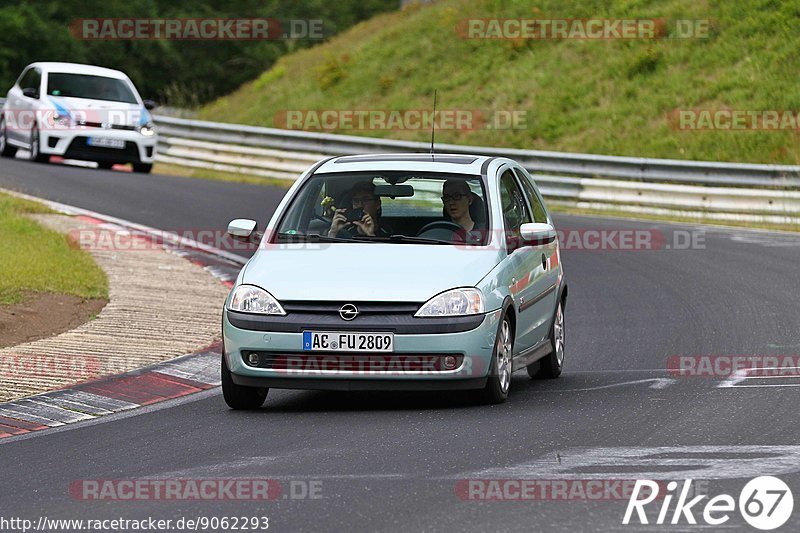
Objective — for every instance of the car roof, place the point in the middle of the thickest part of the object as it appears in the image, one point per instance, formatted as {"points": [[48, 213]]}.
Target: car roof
{"points": [[79, 68], [446, 163]]}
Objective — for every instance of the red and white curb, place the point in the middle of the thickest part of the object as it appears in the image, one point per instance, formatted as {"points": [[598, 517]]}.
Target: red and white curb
{"points": [[87, 401], [171, 379]]}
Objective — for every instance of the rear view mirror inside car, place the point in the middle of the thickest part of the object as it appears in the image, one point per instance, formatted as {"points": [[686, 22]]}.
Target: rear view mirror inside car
{"points": [[394, 191]]}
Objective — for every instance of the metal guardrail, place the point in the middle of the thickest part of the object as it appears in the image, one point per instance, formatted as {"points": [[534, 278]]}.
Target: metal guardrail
{"points": [[725, 191], [587, 165]]}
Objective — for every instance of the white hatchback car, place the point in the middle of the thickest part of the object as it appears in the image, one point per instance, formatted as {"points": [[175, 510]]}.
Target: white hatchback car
{"points": [[78, 112]]}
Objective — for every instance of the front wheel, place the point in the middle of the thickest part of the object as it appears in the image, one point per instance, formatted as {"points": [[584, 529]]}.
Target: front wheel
{"points": [[499, 382], [6, 150], [550, 367], [237, 396], [35, 154], [143, 168]]}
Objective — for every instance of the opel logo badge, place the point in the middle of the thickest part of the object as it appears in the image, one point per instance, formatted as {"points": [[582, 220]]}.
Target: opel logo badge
{"points": [[348, 312]]}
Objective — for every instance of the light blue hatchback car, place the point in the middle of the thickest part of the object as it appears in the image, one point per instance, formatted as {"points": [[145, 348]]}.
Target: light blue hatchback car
{"points": [[398, 272]]}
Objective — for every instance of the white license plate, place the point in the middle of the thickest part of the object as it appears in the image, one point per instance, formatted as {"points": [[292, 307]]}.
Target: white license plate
{"points": [[349, 341], [102, 142]]}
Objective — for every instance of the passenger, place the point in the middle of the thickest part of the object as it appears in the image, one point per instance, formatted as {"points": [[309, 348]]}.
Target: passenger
{"points": [[466, 209], [457, 199], [364, 197]]}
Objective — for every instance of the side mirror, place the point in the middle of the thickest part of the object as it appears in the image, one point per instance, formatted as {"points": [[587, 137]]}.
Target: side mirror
{"points": [[537, 234], [242, 228], [30, 92], [149, 104]]}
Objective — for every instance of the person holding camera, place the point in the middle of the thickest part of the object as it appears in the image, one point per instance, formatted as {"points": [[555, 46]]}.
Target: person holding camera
{"points": [[365, 214]]}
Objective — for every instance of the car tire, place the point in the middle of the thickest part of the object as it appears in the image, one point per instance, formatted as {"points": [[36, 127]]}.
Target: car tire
{"points": [[500, 371], [35, 154], [237, 396], [105, 165], [142, 168], [550, 367], [6, 150]]}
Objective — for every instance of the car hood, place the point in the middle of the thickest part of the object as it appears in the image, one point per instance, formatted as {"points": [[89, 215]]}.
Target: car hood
{"points": [[101, 111], [366, 271]]}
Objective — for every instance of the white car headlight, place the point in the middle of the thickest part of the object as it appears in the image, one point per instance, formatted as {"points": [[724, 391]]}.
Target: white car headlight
{"points": [[252, 299], [148, 130], [457, 302]]}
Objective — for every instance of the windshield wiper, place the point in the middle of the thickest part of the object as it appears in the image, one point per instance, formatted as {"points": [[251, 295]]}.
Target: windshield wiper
{"points": [[400, 239], [312, 237]]}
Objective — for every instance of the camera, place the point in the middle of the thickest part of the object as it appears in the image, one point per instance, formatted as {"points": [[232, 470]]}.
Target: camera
{"points": [[354, 214]]}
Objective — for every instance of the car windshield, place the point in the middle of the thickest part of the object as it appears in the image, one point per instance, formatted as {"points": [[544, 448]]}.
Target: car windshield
{"points": [[88, 86], [398, 207]]}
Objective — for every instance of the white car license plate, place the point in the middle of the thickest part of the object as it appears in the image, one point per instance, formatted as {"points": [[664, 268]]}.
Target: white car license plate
{"points": [[350, 341], [102, 142]]}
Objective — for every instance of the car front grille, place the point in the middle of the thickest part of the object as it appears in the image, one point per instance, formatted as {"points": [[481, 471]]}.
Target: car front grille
{"points": [[357, 364], [364, 308], [79, 149], [111, 126]]}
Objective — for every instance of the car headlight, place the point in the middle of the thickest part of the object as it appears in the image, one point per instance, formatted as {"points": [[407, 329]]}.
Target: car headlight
{"points": [[59, 120], [252, 299], [148, 130], [457, 302]]}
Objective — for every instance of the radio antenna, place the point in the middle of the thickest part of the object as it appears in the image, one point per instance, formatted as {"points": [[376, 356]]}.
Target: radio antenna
{"points": [[433, 123]]}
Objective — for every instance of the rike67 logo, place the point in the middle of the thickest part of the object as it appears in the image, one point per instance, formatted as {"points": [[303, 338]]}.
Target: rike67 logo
{"points": [[765, 503]]}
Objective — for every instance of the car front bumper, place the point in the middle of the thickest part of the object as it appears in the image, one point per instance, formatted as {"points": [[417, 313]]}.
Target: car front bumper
{"points": [[72, 144], [325, 371]]}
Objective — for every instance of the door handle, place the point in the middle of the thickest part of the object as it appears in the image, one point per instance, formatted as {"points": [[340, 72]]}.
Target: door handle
{"points": [[544, 262]]}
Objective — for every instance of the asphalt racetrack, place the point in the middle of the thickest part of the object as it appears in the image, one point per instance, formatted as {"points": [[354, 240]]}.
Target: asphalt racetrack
{"points": [[435, 462]]}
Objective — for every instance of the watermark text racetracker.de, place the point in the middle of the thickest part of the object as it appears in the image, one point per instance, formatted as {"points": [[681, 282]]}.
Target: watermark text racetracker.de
{"points": [[368, 365], [66, 366], [193, 489], [535, 489], [723, 366], [123, 240], [196, 29], [583, 29], [401, 119], [623, 240], [631, 239], [62, 119], [734, 120]]}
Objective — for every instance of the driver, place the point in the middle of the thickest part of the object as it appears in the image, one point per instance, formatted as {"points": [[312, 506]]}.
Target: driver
{"points": [[106, 89], [363, 196]]}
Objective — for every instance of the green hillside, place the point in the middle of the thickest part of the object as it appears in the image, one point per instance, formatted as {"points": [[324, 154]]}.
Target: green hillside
{"points": [[599, 96]]}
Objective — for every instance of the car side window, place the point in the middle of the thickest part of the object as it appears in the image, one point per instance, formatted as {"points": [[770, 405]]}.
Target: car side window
{"points": [[30, 80], [515, 212], [23, 78], [534, 200]]}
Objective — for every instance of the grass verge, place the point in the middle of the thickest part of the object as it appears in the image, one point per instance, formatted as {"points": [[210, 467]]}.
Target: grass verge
{"points": [[36, 259], [606, 96]]}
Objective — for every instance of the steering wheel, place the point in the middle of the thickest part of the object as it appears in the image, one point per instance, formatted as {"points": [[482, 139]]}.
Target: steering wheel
{"points": [[326, 220], [344, 233], [446, 225]]}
